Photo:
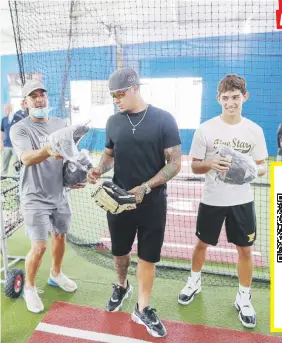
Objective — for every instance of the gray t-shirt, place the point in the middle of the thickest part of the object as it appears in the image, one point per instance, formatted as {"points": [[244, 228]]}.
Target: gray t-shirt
{"points": [[41, 185]]}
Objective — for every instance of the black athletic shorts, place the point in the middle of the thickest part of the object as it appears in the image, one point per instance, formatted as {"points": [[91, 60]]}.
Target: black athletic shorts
{"points": [[148, 222], [240, 222]]}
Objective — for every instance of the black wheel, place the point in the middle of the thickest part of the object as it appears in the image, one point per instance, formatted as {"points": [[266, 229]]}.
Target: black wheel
{"points": [[14, 283]]}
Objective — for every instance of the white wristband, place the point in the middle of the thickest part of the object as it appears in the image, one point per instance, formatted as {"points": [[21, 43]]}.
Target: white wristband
{"points": [[260, 168]]}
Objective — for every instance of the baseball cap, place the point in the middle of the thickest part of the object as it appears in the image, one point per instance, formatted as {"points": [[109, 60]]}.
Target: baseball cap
{"points": [[32, 85], [123, 78]]}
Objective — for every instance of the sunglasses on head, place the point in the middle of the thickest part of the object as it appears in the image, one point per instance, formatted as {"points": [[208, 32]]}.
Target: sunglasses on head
{"points": [[120, 94]]}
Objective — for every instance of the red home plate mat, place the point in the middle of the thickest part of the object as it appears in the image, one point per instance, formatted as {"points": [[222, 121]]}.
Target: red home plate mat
{"points": [[67, 323]]}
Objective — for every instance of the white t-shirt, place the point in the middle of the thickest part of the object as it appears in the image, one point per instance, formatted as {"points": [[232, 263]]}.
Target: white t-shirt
{"points": [[245, 137]]}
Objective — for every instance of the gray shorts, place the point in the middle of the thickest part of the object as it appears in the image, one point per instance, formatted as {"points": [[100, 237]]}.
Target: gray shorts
{"points": [[39, 222], [279, 158]]}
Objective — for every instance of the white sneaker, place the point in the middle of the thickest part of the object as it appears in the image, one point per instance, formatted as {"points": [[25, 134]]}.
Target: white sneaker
{"points": [[62, 281], [247, 314], [32, 299], [188, 292]]}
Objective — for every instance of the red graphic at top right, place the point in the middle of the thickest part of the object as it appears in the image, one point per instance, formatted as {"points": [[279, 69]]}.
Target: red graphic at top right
{"points": [[279, 16]]}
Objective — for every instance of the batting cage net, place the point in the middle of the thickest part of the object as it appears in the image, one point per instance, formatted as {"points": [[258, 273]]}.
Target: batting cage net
{"points": [[181, 50], [10, 202]]}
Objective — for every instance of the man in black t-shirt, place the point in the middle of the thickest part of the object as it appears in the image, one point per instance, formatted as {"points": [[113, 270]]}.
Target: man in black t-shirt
{"points": [[279, 143], [144, 148]]}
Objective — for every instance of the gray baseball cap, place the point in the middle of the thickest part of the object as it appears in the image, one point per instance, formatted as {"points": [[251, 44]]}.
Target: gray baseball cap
{"points": [[123, 78], [32, 85]]}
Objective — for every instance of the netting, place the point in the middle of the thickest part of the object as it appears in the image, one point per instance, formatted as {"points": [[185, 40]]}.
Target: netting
{"points": [[181, 50], [10, 202]]}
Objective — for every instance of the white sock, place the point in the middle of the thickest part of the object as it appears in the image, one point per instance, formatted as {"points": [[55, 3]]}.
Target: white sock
{"points": [[195, 275], [244, 289], [53, 274]]}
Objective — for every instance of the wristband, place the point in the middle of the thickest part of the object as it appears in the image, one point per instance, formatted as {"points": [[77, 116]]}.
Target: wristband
{"points": [[147, 188], [260, 168]]}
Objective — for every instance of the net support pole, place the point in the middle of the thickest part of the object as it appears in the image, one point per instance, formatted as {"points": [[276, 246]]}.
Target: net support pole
{"points": [[119, 58], [4, 250]]}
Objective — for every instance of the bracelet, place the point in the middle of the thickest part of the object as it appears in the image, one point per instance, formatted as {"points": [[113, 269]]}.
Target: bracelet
{"points": [[147, 188]]}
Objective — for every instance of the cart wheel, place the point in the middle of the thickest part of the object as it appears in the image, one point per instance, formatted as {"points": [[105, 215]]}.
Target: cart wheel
{"points": [[14, 283]]}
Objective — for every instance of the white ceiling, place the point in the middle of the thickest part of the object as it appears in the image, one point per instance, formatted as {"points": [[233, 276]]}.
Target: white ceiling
{"points": [[44, 25]]}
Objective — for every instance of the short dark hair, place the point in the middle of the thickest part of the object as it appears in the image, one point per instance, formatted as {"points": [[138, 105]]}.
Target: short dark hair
{"points": [[232, 82]]}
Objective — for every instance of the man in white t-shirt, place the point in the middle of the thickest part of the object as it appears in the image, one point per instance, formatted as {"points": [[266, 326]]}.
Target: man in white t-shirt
{"points": [[232, 203]]}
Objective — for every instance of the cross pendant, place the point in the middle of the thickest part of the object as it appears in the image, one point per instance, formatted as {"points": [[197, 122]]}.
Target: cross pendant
{"points": [[133, 130]]}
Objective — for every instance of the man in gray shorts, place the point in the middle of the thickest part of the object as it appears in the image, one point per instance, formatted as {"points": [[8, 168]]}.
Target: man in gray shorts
{"points": [[44, 203]]}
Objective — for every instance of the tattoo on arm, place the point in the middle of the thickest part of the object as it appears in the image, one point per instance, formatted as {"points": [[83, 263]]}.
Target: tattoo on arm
{"points": [[139, 194], [107, 161], [172, 168], [121, 265]]}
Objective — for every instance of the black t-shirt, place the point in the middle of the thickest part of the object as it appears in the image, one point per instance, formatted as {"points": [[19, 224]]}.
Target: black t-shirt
{"points": [[279, 139], [140, 155]]}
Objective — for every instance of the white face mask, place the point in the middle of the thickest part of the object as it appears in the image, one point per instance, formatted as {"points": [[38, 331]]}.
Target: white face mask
{"points": [[39, 112]]}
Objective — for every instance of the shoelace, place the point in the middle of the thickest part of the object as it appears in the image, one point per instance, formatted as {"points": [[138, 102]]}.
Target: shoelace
{"points": [[246, 299], [117, 291], [62, 275], [188, 286], [39, 291], [151, 314]]}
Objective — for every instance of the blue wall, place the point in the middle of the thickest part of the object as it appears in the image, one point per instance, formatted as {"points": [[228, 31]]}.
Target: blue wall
{"points": [[257, 57], [9, 64], [85, 64]]}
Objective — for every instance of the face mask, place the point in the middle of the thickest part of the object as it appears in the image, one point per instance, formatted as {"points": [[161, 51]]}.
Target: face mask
{"points": [[39, 112]]}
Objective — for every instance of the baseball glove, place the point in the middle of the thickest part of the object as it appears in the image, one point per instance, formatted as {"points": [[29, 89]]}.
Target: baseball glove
{"points": [[243, 169], [112, 198], [75, 172]]}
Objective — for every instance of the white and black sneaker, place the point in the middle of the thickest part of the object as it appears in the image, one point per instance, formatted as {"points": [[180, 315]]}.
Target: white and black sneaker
{"points": [[119, 294], [150, 320], [247, 314], [188, 292]]}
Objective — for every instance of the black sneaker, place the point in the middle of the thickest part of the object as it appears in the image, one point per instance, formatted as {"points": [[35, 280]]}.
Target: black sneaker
{"points": [[149, 319], [116, 300]]}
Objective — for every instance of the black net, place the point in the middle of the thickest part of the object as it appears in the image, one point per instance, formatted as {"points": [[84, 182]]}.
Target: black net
{"points": [[10, 206], [181, 50]]}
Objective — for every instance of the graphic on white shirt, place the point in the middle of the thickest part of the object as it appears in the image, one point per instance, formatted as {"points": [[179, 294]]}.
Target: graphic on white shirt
{"points": [[236, 144]]}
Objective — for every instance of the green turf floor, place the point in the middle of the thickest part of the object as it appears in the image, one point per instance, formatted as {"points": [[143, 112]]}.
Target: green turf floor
{"points": [[213, 307]]}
